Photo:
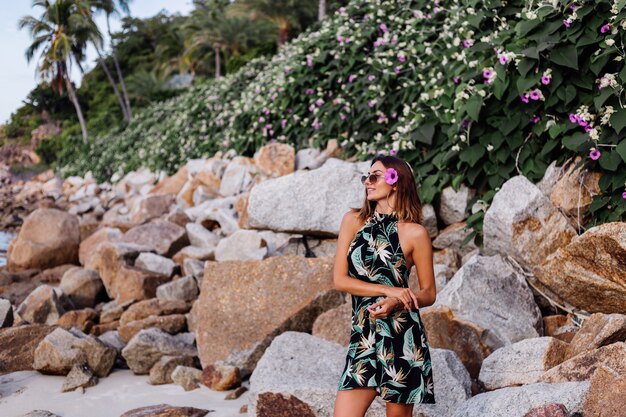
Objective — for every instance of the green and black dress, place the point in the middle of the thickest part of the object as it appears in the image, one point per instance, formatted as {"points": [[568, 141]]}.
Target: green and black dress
{"points": [[390, 354]]}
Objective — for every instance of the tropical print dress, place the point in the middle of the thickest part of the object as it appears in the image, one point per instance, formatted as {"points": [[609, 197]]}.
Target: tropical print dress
{"points": [[389, 354]]}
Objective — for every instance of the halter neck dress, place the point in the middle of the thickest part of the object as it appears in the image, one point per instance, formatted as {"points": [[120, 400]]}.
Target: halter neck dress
{"points": [[391, 354]]}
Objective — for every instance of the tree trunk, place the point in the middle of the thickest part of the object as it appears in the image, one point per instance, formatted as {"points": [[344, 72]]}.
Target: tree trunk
{"points": [[79, 112], [218, 70], [113, 84], [321, 11], [129, 110]]}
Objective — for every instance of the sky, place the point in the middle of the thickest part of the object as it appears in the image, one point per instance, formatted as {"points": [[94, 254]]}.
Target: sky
{"points": [[17, 77]]}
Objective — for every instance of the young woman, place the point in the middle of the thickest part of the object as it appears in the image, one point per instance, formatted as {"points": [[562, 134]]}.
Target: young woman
{"points": [[388, 353]]}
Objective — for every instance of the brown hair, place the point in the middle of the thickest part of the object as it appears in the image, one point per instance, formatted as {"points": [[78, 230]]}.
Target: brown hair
{"points": [[408, 204]]}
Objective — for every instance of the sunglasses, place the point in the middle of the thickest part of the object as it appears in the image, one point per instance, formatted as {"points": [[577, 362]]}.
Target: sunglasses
{"points": [[373, 178]]}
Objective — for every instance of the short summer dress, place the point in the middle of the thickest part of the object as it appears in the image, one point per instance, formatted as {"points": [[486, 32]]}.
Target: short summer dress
{"points": [[389, 354]]}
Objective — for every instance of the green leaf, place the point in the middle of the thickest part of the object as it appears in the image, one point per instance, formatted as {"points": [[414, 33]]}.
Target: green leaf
{"points": [[424, 134], [621, 149], [570, 94], [610, 160], [473, 105], [575, 141], [525, 66], [472, 154], [618, 121], [566, 56], [556, 130], [524, 83], [599, 100]]}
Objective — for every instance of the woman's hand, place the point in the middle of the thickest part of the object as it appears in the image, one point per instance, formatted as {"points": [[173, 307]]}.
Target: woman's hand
{"points": [[405, 295], [387, 306]]}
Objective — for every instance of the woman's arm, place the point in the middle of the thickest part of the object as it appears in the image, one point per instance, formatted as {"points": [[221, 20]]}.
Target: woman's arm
{"points": [[342, 281], [423, 260]]}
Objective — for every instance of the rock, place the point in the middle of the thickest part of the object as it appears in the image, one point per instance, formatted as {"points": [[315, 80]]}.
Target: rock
{"points": [[172, 324], [194, 252], [310, 158], [238, 392], [163, 237], [79, 376], [213, 215], [597, 330], [445, 331], [522, 223], [559, 325], [112, 311], [243, 244], [286, 378], [275, 242], [194, 267], [18, 346], [517, 401], [39, 413], [309, 247], [48, 237], [449, 257], [452, 237], [237, 177], [155, 263], [161, 372], [149, 345], [154, 307], [581, 367], [83, 319], [200, 236], [491, 293], [302, 287], [44, 305], [90, 246], [220, 377], [166, 410], [334, 324], [521, 363], [151, 207], [185, 289], [172, 184], [429, 220], [590, 272], [606, 394], [443, 274], [311, 202], [60, 350], [453, 204], [187, 377], [136, 284], [550, 178], [82, 286], [6, 313], [276, 159], [548, 410]]}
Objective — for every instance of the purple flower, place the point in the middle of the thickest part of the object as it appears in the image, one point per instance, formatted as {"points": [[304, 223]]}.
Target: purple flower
{"points": [[397, 70], [381, 118], [566, 23], [391, 176], [588, 129], [402, 58], [371, 77], [286, 69], [524, 98], [342, 116], [503, 59], [384, 28], [624, 195], [371, 103], [582, 122], [289, 110], [456, 79], [309, 61], [351, 78], [340, 39], [594, 154], [311, 108], [467, 43], [535, 95], [392, 151], [316, 124], [573, 7], [283, 123], [605, 28], [394, 40], [573, 118], [545, 79], [309, 91], [319, 102], [487, 74], [536, 119]]}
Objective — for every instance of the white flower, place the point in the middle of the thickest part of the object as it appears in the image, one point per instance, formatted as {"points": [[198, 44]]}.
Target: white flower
{"points": [[610, 42]]}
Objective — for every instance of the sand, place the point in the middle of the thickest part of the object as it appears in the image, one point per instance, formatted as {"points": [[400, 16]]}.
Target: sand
{"points": [[21, 392]]}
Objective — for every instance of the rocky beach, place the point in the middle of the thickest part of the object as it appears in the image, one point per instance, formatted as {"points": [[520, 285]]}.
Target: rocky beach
{"points": [[209, 292]]}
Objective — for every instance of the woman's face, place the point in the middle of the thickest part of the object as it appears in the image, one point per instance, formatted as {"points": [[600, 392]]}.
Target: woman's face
{"points": [[380, 189]]}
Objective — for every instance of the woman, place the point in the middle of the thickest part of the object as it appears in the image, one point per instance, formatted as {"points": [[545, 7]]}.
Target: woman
{"points": [[388, 353]]}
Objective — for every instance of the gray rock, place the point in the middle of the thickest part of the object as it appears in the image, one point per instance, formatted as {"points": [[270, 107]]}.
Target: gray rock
{"points": [[453, 204], [194, 267], [309, 246], [201, 236], [550, 178], [39, 413], [79, 376], [149, 345], [82, 286], [44, 305], [187, 377], [112, 339], [275, 241], [155, 263], [521, 363], [452, 237], [166, 410], [488, 291], [443, 274], [310, 158], [6, 313], [430, 220], [161, 372], [311, 202], [522, 223], [237, 177], [517, 401], [184, 288], [243, 244]]}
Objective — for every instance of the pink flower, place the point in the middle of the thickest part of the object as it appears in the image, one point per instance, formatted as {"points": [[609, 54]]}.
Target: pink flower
{"points": [[309, 91], [309, 61], [391, 176], [381, 118], [394, 40], [467, 43], [573, 118], [402, 58], [456, 79], [566, 23], [594, 154], [535, 95], [283, 123], [316, 124], [536, 119], [605, 28], [392, 151], [286, 69], [582, 122], [351, 78], [503, 59], [487, 74], [397, 70], [311, 108], [384, 28], [371, 103], [371, 77], [340, 39], [524, 98], [624, 195], [545, 80], [342, 116], [588, 129], [319, 102], [289, 110]]}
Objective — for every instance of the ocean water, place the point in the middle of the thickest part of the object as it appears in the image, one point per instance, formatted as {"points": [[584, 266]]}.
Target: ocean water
{"points": [[5, 238]]}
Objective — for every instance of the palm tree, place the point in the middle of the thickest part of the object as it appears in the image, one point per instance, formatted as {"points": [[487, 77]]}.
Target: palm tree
{"points": [[61, 33], [284, 14], [110, 8]]}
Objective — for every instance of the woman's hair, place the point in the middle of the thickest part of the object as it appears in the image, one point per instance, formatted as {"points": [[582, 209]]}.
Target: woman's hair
{"points": [[408, 205]]}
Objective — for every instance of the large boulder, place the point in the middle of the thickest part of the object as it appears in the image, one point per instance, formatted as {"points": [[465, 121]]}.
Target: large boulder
{"points": [[300, 371], [161, 236], [243, 244], [88, 250], [313, 202], [606, 394], [597, 330], [44, 305], [581, 367], [453, 204], [522, 223], [149, 345], [490, 292], [82, 286], [245, 304], [590, 272], [276, 159], [18, 346], [48, 237]]}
